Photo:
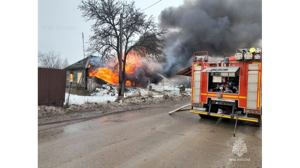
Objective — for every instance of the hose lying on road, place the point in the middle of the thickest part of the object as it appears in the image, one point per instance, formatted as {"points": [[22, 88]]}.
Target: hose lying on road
{"points": [[179, 108]]}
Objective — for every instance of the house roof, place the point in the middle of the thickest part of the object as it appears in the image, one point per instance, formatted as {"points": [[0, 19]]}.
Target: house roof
{"points": [[185, 72], [94, 61]]}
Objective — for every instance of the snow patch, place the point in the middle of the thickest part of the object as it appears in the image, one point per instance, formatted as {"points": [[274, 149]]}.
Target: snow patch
{"points": [[105, 99]]}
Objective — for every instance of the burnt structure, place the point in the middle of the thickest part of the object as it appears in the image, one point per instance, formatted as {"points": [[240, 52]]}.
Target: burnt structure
{"points": [[79, 71]]}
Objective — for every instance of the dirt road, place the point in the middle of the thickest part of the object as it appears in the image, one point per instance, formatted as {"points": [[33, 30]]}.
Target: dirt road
{"points": [[149, 137]]}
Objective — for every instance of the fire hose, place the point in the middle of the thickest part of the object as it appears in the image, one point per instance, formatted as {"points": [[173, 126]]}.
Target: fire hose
{"points": [[218, 121], [179, 108]]}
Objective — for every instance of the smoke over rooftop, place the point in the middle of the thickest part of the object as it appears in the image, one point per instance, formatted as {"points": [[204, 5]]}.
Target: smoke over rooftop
{"points": [[217, 26]]}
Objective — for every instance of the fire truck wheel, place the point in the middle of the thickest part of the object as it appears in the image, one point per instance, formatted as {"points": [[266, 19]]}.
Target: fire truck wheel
{"points": [[203, 116]]}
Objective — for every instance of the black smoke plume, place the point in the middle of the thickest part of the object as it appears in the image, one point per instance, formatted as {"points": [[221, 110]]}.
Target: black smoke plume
{"points": [[217, 26]]}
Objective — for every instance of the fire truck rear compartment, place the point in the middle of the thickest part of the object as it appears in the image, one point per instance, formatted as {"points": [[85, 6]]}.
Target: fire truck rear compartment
{"points": [[225, 82], [219, 87]]}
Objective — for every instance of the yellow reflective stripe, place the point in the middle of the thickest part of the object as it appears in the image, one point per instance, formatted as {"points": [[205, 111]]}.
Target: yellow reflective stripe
{"points": [[230, 96], [259, 80], [204, 94], [258, 98], [258, 91], [242, 97], [226, 116], [218, 115], [259, 64], [197, 112], [212, 94], [246, 119]]}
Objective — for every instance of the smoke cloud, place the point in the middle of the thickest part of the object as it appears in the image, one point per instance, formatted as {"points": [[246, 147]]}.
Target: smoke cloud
{"points": [[217, 26]]}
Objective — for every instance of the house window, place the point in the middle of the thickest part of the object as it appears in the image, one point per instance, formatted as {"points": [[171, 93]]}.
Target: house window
{"points": [[71, 77], [79, 80]]}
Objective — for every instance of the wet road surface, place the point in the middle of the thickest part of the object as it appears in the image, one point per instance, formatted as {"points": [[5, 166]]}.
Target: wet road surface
{"points": [[148, 137]]}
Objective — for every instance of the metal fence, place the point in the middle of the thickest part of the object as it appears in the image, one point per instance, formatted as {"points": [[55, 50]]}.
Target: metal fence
{"points": [[51, 86]]}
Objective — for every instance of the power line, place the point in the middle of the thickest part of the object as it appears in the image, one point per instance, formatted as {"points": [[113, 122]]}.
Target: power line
{"points": [[152, 5]]}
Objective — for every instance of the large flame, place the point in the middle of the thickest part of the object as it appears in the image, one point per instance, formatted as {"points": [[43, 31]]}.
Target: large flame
{"points": [[112, 77], [133, 62], [105, 74]]}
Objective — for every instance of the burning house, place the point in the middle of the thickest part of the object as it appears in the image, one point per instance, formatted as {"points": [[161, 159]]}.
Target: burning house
{"points": [[79, 73], [135, 71], [89, 72]]}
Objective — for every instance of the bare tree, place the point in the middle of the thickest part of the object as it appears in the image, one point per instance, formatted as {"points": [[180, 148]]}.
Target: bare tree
{"points": [[51, 59], [65, 63], [39, 57], [119, 24]]}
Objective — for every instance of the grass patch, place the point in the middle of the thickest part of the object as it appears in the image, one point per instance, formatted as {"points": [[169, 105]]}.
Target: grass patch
{"points": [[66, 106]]}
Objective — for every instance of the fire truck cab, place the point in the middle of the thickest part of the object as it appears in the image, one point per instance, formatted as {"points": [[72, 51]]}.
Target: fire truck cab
{"points": [[229, 88]]}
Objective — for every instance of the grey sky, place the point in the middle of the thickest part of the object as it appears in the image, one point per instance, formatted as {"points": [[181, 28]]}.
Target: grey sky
{"points": [[60, 25]]}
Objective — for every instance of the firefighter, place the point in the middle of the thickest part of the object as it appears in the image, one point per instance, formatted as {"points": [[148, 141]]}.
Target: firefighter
{"points": [[182, 89]]}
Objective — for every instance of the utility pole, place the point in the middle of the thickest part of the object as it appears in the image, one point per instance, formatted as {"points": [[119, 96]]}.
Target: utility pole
{"points": [[83, 45], [122, 78], [120, 56], [121, 34]]}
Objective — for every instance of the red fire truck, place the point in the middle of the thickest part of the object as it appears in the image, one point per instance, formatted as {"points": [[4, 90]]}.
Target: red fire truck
{"points": [[229, 88]]}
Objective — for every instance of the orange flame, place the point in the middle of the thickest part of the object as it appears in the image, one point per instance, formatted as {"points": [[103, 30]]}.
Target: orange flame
{"points": [[132, 63], [128, 83], [112, 77], [105, 74]]}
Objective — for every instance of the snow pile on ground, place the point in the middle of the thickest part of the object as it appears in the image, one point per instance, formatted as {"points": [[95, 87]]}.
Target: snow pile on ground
{"points": [[109, 93], [103, 94], [104, 100], [121, 105]]}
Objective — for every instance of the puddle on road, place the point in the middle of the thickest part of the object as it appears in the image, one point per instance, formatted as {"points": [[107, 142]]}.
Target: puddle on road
{"points": [[109, 119], [50, 133], [116, 121], [118, 118], [104, 118]]}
